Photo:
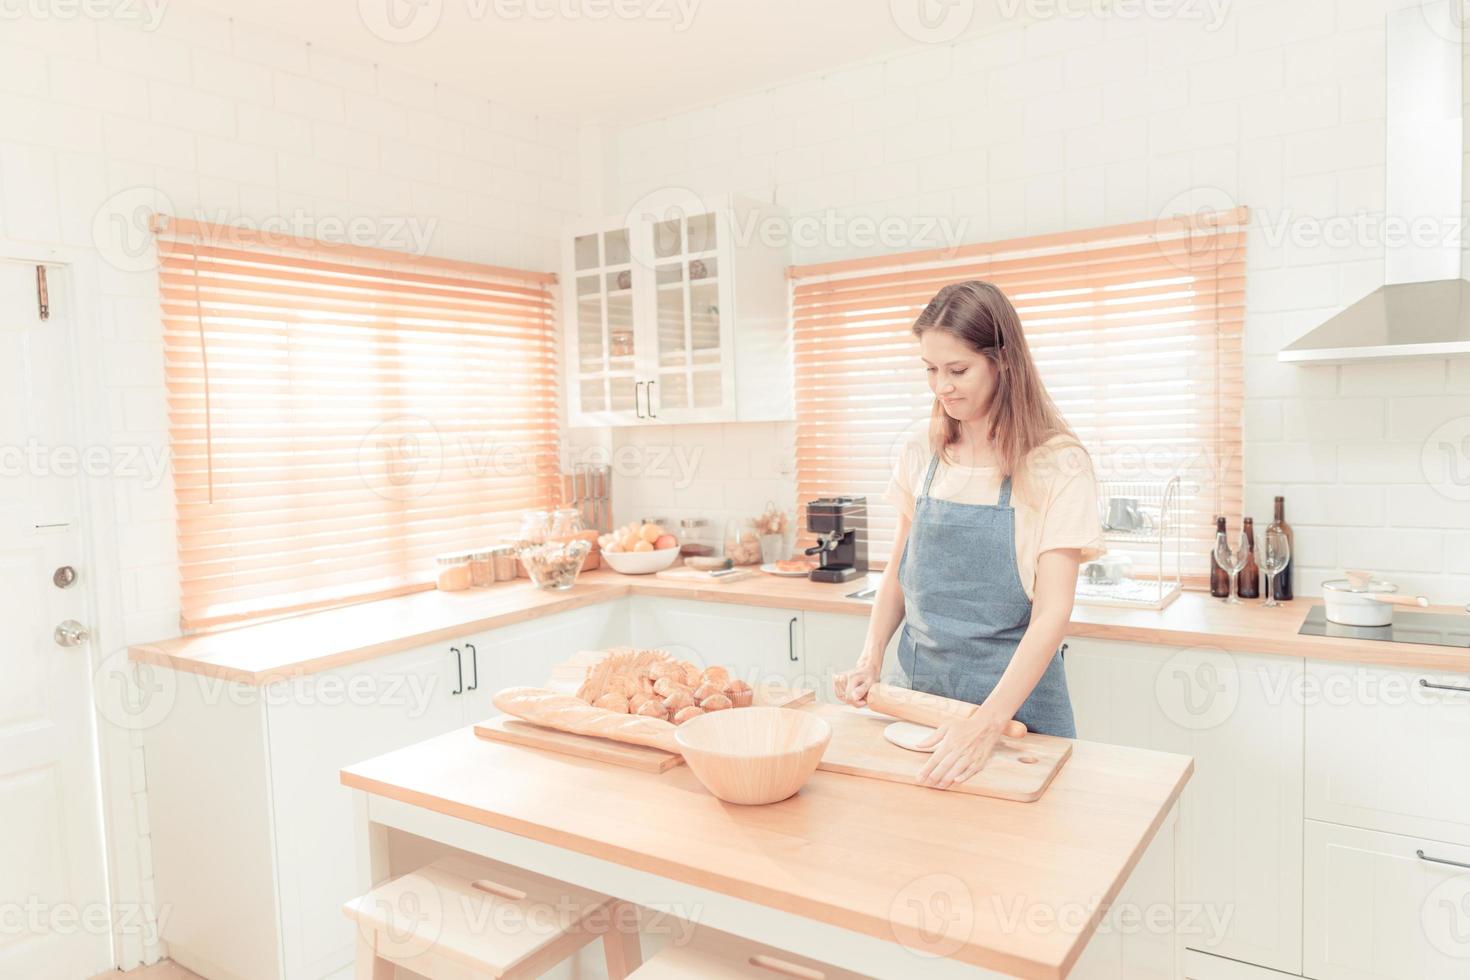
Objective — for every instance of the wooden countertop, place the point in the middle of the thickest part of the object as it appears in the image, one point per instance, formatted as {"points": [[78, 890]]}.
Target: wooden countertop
{"points": [[336, 637], [859, 853]]}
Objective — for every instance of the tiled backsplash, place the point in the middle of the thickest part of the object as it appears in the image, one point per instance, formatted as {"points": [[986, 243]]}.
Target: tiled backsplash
{"points": [[1067, 124]]}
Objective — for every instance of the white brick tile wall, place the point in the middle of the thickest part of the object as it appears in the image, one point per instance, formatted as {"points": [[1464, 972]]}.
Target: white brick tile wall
{"points": [[237, 122], [1279, 107]]}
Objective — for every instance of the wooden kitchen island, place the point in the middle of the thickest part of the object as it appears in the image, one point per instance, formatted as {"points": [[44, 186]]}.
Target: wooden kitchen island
{"points": [[882, 878]]}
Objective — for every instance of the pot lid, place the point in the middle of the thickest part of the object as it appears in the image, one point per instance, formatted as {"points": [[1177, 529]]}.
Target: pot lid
{"points": [[1343, 585]]}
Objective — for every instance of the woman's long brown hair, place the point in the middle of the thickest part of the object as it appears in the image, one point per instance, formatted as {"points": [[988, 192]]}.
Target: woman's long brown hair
{"points": [[1022, 414]]}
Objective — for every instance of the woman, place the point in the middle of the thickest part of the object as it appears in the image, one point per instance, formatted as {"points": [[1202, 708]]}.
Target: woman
{"points": [[996, 510]]}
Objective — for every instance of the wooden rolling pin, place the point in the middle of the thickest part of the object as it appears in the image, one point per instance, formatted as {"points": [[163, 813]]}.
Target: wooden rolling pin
{"points": [[926, 709]]}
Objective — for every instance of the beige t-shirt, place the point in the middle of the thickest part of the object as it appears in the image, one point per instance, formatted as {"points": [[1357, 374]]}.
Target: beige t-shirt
{"points": [[1062, 511]]}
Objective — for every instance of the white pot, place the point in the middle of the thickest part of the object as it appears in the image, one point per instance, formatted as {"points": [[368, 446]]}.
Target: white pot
{"points": [[1348, 606]]}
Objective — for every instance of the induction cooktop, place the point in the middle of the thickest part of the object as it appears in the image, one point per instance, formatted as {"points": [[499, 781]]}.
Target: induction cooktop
{"points": [[1435, 629]]}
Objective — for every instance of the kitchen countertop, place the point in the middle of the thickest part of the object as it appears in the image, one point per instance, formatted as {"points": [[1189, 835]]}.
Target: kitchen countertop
{"points": [[337, 637], [863, 854]]}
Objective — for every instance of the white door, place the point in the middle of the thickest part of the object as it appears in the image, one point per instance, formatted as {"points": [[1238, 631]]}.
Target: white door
{"points": [[54, 916]]}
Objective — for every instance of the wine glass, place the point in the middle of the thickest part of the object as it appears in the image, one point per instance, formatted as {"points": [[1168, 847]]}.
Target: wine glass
{"points": [[1230, 553], [1275, 553]]}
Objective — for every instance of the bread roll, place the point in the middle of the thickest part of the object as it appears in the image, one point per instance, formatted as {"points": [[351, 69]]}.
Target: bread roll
{"points": [[668, 686], [571, 714], [678, 701], [707, 689], [691, 675], [716, 702], [612, 701], [716, 675], [653, 708], [693, 711]]}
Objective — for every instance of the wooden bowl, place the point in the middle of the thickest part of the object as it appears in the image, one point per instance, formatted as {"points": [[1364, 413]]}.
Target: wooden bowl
{"points": [[753, 755]]}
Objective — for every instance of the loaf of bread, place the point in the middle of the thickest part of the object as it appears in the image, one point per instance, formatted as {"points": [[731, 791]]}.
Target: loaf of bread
{"points": [[572, 714]]}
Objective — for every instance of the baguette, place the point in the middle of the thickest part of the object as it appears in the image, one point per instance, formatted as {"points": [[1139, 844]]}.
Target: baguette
{"points": [[571, 714]]}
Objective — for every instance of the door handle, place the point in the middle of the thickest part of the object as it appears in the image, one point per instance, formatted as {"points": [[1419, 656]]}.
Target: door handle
{"points": [[637, 405], [474, 666], [70, 633], [791, 640], [1423, 682], [458, 670], [1434, 860], [650, 400]]}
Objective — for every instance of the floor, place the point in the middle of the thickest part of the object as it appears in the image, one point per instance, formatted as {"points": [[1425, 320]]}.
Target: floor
{"points": [[162, 970]]}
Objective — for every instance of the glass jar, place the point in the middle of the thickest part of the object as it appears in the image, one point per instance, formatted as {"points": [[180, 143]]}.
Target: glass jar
{"points": [[453, 571], [742, 544], [482, 569], [535, 525], [554, 565], [566, 523], [694, 538], [503, 556]]}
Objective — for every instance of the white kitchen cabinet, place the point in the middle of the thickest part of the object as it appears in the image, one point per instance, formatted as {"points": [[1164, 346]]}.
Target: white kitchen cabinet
{"points": [[832, 643], [246, 809], [678, 314], [523, 654], [1378, 910], [759, 644], [1241, 813], [1387, 750]]}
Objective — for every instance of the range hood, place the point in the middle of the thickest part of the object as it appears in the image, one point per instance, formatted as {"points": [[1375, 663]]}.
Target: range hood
{"points": [[1423, 308]]}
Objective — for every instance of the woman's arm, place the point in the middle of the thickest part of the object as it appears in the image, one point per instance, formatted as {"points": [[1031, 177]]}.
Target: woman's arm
{"points": [[964, 747], [852, 686]]}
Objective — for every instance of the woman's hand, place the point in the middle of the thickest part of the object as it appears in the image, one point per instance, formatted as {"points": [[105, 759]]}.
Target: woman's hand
{"points": [[962, 747], [851, 687]]}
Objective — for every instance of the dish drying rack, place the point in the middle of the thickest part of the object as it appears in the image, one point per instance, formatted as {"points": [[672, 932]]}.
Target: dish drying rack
{"points": [[1160, 539]]}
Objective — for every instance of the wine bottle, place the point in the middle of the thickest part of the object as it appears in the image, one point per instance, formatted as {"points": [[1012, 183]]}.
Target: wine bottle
{"points": [[1219, 578], [1248, 580], [1281, 581]]}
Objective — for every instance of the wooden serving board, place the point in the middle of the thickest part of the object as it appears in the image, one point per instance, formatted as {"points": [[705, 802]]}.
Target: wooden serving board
{"points": [[517, 731], [858, 748], [682, 573]]}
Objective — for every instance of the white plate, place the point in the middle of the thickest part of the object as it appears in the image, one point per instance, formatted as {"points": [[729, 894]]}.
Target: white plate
{"points": [[771, 569], [907, 735]]}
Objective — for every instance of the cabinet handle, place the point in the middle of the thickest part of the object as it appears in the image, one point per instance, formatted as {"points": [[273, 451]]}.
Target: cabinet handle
{"points": [[1454, 864], [791, 639], [1444, 687], [475, 666], [458, 670], [637, 405], [650, 400]]}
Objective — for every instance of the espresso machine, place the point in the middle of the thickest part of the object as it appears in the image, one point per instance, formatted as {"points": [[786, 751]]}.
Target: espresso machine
{"points": [[841, 527]]}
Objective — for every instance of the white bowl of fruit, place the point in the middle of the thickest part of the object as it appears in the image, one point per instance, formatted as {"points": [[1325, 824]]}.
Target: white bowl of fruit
{"points": [[639, 549]]}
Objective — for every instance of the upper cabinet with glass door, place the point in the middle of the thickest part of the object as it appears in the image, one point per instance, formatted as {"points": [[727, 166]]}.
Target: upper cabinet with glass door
{"points": [[680, 317]]}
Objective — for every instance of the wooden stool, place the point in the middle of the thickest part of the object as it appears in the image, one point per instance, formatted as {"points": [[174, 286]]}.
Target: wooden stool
{"points": [[713, 955], [465, 919]]}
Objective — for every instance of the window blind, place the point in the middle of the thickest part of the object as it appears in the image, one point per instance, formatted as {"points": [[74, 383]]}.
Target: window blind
{"points": [[1135, 329], [338, 416]]}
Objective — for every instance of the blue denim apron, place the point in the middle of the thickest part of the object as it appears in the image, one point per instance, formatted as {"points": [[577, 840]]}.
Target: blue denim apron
{"points": [[965, 609]]}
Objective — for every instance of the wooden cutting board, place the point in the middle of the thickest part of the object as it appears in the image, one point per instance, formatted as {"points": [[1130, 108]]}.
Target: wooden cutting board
{"points": [[507, 728], [1020, 769], [683, 573]]}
